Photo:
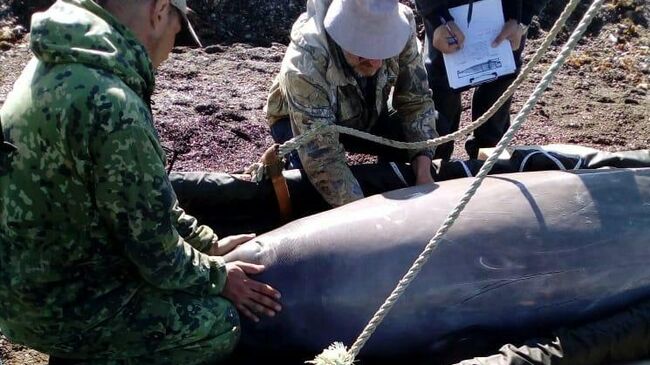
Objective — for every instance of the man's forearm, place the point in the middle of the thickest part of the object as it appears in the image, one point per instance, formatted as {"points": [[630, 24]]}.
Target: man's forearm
{"points": [[333, 180], [512, 9], [422, 169], [198, 236], [431, 7], [530, 9]]}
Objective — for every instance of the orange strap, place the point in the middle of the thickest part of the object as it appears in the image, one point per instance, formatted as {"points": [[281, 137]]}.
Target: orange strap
{"points": [[273, 166]]}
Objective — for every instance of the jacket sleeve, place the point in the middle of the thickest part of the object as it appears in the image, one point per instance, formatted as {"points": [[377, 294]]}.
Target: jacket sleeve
{"points": [[137, 204], [434, 11], [531, 8], [512, 9], [523, 10], [323, 157], [198, 236], [412, 98]]}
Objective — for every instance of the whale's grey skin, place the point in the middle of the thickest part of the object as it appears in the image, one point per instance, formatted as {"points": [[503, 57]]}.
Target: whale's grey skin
{"points": [[531, 250]]}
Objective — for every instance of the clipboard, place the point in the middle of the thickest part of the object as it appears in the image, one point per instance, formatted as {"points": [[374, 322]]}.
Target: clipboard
{"points": [[478, 62]]}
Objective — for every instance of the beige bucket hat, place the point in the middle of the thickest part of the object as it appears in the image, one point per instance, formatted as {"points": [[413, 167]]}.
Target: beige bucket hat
{"points": [[374, 29], [187, 26]]}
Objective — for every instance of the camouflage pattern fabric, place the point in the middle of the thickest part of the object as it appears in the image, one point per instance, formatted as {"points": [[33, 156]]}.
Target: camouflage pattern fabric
{"points": [[96, 258], [314, 86], [158, 328]]}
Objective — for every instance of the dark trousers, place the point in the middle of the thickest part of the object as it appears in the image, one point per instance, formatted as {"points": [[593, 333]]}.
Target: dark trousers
{"points": [[388, 125], [281, 132], [448, 102]]}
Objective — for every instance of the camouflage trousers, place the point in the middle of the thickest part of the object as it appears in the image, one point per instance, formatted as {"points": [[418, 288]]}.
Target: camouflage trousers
{"points": [[158, 327]]}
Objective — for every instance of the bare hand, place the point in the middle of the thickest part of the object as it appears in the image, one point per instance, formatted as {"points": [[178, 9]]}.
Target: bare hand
{"points": [[511, 31], [225, 245], [422, 170], [448, 42], [251, 297]]}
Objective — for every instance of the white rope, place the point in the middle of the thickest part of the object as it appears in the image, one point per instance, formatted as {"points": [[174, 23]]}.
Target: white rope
{"points": [[301, 139], [256, 171], [468, 172], [347, 357], [578, 165], [398, 173], [557, 162], [548, 155], [336, 354]]}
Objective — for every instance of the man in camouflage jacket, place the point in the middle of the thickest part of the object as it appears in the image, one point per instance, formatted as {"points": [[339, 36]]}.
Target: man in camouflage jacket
{"points": [[320, 81], [97, 260]]}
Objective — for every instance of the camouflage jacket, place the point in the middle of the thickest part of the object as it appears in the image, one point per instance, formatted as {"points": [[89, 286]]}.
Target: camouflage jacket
{"points": [[315, 86], [87, 214]]}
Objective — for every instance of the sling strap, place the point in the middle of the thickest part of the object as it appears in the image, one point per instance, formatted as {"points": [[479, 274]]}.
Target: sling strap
{"points": [[273, 167]]}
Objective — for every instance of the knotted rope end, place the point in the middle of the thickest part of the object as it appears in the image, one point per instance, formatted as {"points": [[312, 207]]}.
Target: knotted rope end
{"points": [[336, 354]]}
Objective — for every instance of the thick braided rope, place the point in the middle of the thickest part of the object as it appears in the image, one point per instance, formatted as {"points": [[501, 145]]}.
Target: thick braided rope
{"points": [[303, 138], [350, 355], [299, 140]]}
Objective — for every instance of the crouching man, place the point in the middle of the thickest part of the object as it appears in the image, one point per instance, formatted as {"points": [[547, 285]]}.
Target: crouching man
{"points": [[353, 63], [98, 264]]}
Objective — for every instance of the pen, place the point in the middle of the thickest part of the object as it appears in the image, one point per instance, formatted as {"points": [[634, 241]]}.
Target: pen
{"points": [[451, 39]]}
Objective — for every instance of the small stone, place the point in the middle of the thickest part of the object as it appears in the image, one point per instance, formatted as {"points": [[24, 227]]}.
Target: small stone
{"points": [[605, 99], [19, 30], [574, 125], [631, 101], [637, 91], [5, 46], [214, 49], [207, 109], [543, 113], [180, 50], [6, 34], [642, 86], [612, 38]]}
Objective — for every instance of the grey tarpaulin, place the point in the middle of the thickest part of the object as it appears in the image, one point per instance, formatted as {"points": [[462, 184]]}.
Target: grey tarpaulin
{"points": [[230, 204]]}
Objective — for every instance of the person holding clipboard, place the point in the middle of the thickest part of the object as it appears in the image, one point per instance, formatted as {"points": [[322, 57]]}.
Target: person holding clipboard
{"points": [[444, 36]]}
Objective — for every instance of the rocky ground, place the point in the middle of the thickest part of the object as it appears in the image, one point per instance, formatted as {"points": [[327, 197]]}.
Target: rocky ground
{"points": [[208, 104]]}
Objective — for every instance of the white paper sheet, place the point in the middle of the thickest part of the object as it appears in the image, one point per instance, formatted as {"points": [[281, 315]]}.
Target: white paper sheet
{"points": [[477, 62]]}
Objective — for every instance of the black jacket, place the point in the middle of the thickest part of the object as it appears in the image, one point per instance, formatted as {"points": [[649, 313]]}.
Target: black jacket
{"points": [[521, 10]]}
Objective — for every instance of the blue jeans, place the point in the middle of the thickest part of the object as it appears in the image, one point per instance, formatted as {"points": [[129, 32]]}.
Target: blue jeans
{"points": [[281, 132]]}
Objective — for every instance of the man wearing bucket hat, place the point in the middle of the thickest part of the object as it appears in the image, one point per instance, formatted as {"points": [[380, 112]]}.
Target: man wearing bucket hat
{"points": [[353, 63], [98, 264]]}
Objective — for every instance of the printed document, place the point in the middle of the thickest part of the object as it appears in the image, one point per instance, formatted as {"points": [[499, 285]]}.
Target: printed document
{"points": [[477, 62]]}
